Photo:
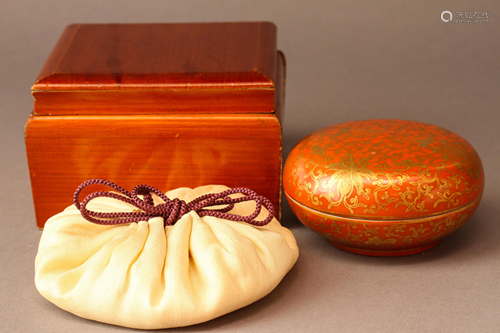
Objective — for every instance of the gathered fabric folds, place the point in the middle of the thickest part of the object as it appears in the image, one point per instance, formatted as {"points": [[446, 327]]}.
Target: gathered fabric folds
{"points": [[148, 276]]}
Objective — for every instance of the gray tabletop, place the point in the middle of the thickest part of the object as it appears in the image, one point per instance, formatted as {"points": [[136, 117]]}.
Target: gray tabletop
{"points": [[347, 60]]}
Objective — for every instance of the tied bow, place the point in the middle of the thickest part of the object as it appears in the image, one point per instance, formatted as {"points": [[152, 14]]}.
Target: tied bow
{"points": [[170, 210]]}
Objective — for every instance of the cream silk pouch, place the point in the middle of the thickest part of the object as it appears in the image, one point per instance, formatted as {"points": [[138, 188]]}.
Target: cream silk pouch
{"points": [[150, 276]]}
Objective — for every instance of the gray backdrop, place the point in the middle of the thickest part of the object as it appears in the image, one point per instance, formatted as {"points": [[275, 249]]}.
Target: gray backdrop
{"points": [[347, 60]]}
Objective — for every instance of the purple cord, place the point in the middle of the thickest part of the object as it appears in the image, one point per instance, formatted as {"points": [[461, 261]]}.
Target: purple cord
{"points": [[170, 210]]}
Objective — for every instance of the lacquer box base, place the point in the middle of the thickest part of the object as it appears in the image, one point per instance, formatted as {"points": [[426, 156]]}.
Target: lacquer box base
{"points": [[382, 253], [169, 105], [381, 238]]}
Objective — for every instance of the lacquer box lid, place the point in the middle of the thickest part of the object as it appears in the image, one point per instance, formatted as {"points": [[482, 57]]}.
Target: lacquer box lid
{"points": [[160, 68], [384, 170]]}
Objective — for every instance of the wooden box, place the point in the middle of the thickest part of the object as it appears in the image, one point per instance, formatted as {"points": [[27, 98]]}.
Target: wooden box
{"points": [[169, 105]]}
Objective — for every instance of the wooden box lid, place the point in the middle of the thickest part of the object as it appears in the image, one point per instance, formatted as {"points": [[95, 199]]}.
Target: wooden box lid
{"points": [[160, 68]]}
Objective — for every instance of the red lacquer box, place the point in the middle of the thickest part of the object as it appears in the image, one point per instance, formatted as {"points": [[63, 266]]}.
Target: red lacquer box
{"points": [[383, 187], [169, 105]]}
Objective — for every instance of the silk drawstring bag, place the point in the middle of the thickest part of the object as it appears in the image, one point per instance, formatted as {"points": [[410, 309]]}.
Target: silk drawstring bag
{"points": [[148, 260]]}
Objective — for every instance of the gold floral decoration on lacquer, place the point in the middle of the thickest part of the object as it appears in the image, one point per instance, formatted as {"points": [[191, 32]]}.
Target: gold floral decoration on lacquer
{"points": [[412, 168], [347, 177], [407, 235]]}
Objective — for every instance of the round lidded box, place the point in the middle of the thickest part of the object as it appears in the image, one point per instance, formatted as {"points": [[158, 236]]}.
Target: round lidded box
{"points": [[383, 187]]}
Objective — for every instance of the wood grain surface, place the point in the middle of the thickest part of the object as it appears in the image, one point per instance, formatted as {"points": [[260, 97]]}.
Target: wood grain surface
{"points": [[203, 67], [170, 105], [166, 152]]}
